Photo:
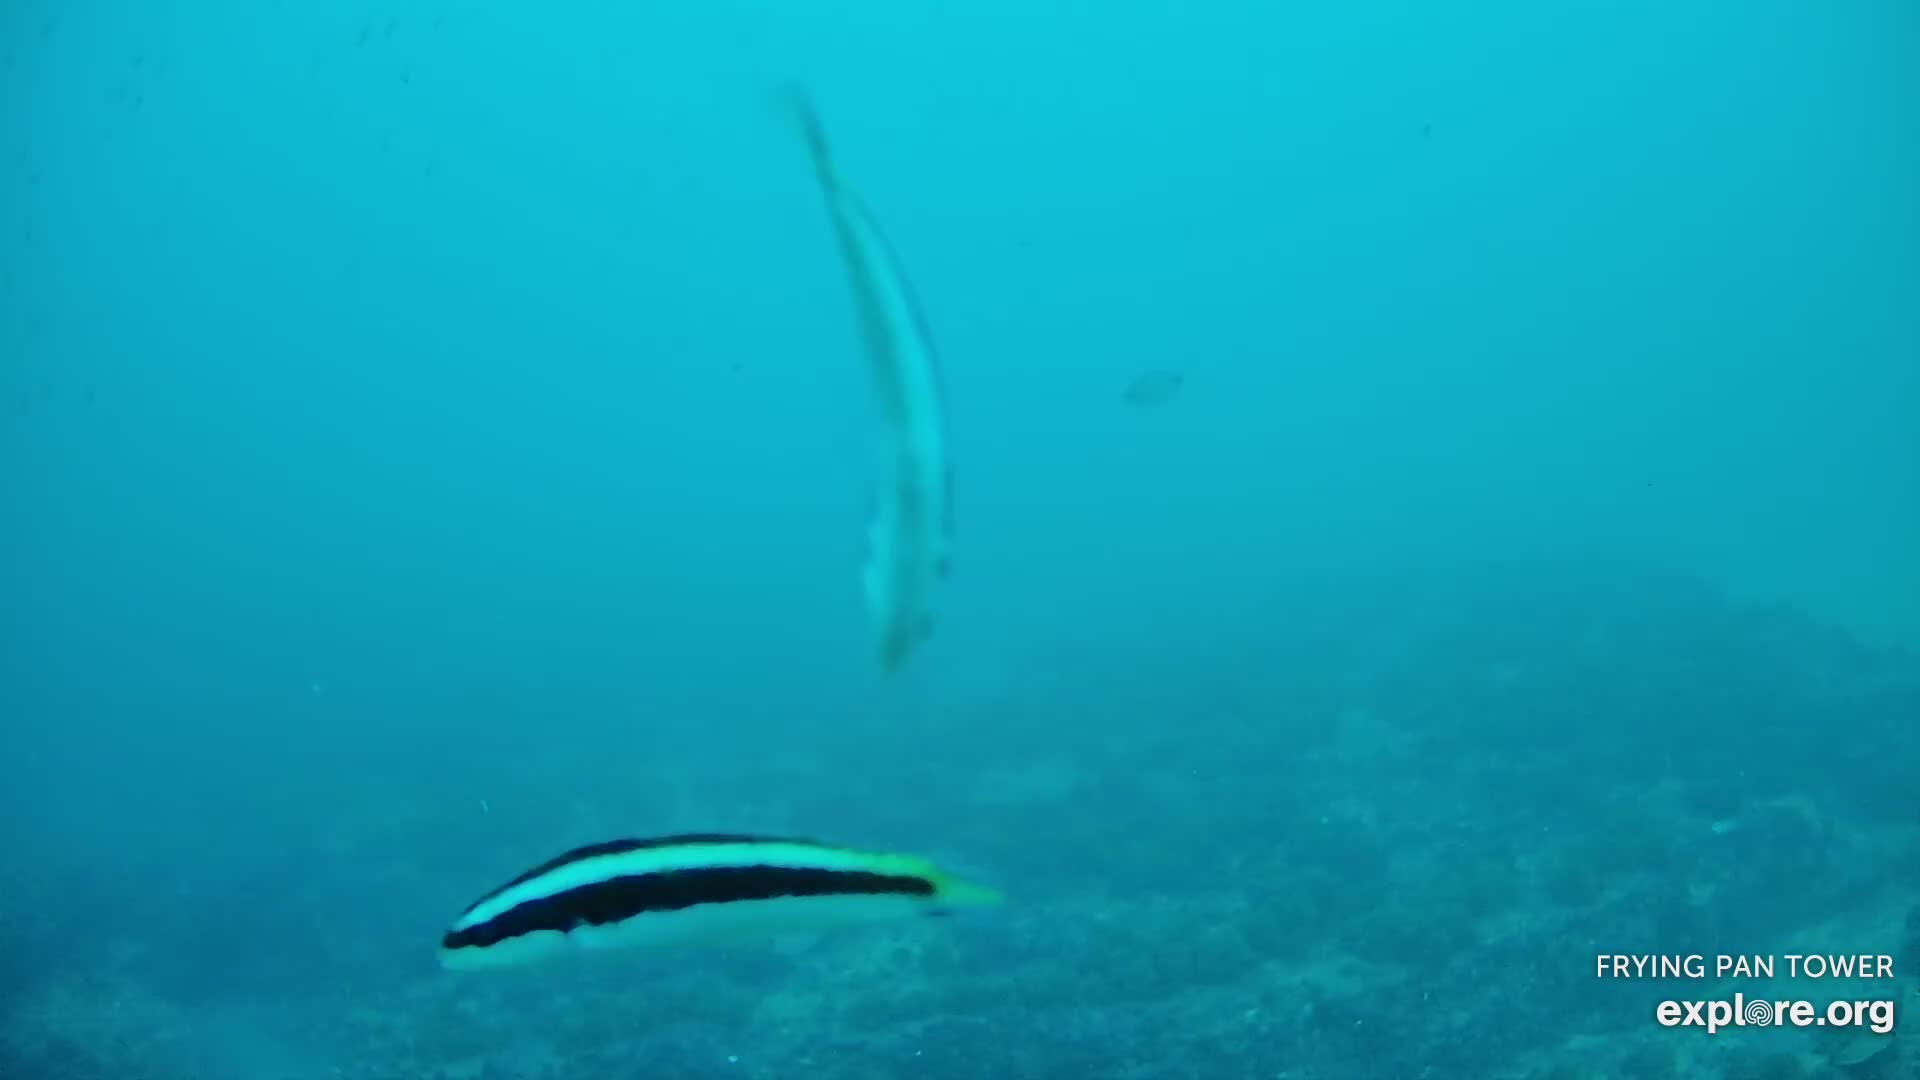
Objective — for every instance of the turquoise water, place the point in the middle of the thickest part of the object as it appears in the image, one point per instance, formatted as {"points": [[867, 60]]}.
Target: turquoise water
{"points": [[1436, 503]]}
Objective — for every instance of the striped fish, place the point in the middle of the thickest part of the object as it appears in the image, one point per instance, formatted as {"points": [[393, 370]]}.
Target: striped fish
{"points": [[692, 889], [909, 542]]}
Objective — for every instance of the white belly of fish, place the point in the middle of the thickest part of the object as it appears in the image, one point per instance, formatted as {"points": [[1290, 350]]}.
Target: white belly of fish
{"points": [[737, 922]]}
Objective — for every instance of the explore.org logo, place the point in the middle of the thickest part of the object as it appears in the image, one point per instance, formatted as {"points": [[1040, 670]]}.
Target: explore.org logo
{"points": [[1717, 1014], [1875, 1016]]}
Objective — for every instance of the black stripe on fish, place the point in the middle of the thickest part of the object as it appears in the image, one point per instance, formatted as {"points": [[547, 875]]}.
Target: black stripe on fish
{"points": [[618, 899]]}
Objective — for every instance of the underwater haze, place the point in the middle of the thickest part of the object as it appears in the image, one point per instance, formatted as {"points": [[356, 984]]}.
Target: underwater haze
{"points": [[1437, 502]]}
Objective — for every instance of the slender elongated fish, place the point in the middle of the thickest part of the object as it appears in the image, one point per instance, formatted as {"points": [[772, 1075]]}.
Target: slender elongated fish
{"points": [[693, 889], [909, 541]]}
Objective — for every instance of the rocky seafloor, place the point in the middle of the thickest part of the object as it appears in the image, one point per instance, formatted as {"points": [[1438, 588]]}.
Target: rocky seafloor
{"points": [[1386, 842]]}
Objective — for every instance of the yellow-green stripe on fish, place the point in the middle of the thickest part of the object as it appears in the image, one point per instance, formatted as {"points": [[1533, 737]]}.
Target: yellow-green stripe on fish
{"points": [[692, 889]]}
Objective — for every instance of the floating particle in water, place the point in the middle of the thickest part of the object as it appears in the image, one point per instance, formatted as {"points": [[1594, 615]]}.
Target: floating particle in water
{"points": [[1156, 387]]}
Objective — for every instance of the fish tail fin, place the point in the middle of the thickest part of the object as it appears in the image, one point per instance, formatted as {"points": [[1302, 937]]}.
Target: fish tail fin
{"points": [[952, 892]]}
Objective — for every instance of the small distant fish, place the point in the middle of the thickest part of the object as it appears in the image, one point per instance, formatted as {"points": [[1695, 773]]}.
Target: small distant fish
{"points": [[1155, 387], [694, 889]]}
